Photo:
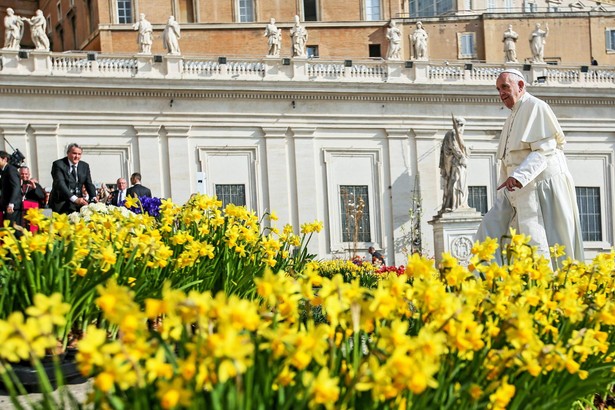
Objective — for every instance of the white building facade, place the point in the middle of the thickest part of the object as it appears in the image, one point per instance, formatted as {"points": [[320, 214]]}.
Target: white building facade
{"points": [[304, 139]]}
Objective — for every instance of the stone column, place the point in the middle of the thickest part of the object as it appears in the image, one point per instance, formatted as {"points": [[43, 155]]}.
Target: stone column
{"points": [[399, 192], [180, 177], [149, 158], [46, 142], [278, 173], [454, 233], [308, 190]]}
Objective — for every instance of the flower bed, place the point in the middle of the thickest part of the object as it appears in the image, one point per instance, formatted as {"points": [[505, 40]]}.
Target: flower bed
{"points": [[517, 336]]}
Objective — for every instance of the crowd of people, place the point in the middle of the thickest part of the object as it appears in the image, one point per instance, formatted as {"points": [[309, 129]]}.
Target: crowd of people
{"points": [[71, 188]]}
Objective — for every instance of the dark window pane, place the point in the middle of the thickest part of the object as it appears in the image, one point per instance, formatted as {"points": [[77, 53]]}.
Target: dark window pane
{"points": [[477, 198], [231, 194], [309, 10], [354, 202], [588, 201]]}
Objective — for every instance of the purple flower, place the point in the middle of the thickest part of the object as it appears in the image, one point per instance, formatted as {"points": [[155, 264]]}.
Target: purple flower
{"points": [[150, 206]]}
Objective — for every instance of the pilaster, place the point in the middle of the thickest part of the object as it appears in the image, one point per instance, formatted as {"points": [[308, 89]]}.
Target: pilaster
{"points": [[149, 159], [180, 175], [278, 172]]}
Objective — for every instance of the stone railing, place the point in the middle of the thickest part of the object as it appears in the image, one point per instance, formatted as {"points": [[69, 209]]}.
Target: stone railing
{"points": [[293, 69]]}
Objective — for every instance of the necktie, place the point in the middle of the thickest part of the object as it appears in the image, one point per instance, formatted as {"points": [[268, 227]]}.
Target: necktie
{"points": [[73, 171]]}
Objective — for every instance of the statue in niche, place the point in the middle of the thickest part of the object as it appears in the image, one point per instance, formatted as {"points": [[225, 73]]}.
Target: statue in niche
{"points": [[453, 168], [299, 36], [510, 45], [13, 30], [537, 43], [38, 31], [394, 36], [144, 39], [419, 42], [171, 36], [274, 38]]}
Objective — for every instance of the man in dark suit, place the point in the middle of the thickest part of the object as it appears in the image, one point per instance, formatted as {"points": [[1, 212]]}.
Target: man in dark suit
{"points": [[118, 196], [137, 189], [10, 199], [70, 175]]}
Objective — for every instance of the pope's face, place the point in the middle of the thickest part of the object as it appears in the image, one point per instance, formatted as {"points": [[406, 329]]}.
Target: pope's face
{"points": [[511, 89]]}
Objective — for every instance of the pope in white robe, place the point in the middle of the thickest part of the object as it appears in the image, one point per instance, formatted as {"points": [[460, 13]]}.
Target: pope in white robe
{"points": [[536, 193]]}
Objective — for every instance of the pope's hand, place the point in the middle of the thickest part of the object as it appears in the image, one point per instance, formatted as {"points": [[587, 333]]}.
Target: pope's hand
{"points": [[510, 184]]}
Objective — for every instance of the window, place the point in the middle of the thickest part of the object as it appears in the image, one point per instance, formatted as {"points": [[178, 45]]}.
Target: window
{"points": [[124, 11], [466, 45], [430, 8], [73, 26], [477, 198], [246, 11], [490, 5], [610, 39], [186, 11], [529, 7], [310, 10], [467, 5], [231, 194], [59, 9], [374, 50], [372, 10], [588, 201], [354, 202], [48, 25], [311, 51]]}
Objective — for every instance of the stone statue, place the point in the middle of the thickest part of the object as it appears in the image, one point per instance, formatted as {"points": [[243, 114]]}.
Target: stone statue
{"points": [[419, 42], [13, 30], [38, 31], [171, 36], [299, 36], [510, 45], [394, 36], [274, 38], [453, 168], [537, 43], [144, 39]]}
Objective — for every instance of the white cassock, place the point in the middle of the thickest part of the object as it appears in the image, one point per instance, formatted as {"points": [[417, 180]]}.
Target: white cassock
{"points": [[545, 208]]}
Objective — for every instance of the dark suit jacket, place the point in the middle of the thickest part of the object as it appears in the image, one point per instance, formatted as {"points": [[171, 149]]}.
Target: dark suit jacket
{"points": [[113, 199], [37, 194], [11, 194], [64, 185], [11, 188], [139, 190]]}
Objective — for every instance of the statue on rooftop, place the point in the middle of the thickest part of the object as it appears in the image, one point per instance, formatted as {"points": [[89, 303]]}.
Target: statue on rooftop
{"points": [[13, 30], [171, 36], [394, 36], [510, 45], [537, 43], [419, 42], [453, 168], [274, 38], [38, 31], [299, 36], [144, 39]]}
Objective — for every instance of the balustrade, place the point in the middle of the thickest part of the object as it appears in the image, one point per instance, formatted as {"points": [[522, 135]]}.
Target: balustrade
{"points": [[375, 71]]}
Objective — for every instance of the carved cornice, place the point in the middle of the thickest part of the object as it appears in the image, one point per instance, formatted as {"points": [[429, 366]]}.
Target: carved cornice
{"points": [[313, 95]]}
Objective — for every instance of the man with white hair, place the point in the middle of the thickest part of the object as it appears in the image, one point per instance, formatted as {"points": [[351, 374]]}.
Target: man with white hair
{"points": [[536, 194]]}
